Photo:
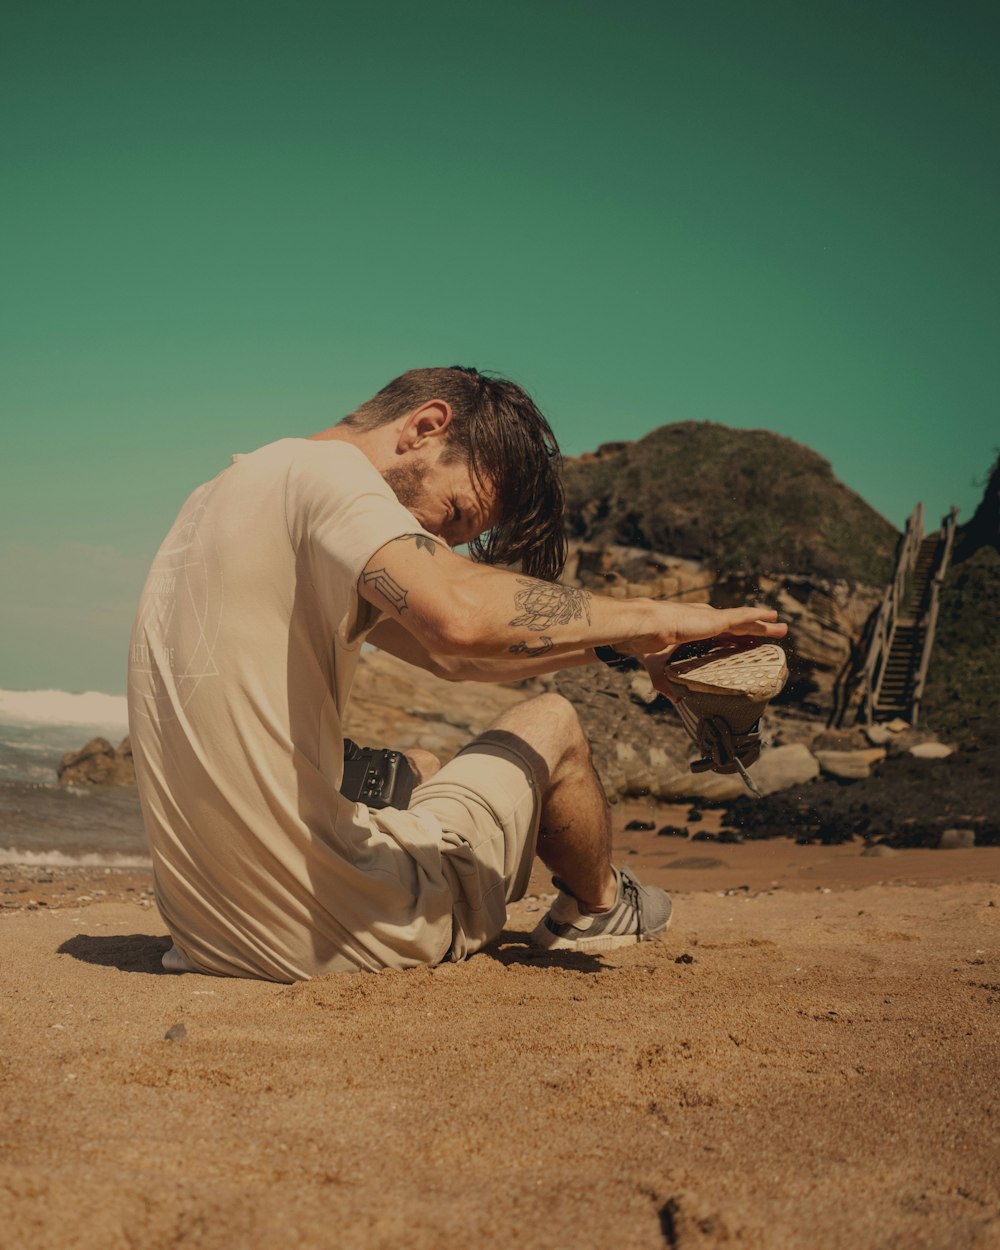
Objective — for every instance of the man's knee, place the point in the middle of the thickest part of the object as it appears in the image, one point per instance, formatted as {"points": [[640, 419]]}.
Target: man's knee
{"points": [[548, 723], [553, 706]]}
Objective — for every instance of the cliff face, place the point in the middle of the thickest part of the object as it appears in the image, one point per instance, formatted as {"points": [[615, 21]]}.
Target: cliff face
{"points": [[962, 698], [983, 530], [742, 501]]}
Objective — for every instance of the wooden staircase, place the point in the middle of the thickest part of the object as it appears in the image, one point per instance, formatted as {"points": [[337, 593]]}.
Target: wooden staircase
{"points": [[899, 652]]}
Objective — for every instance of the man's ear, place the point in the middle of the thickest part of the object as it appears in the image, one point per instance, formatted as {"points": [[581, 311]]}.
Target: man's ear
{"points": [[423, 425]]}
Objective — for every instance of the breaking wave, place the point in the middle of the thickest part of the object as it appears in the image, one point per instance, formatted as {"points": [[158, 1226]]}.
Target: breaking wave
{"points": [[60, 707]]}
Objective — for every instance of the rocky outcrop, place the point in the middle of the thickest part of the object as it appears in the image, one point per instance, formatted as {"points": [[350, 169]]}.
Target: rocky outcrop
{"points": [[962, 696], [633, 572], [98, 764], [740, 501], [701, 513], [983, 528]]}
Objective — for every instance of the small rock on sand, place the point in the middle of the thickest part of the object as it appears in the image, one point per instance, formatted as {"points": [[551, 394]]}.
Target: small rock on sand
{"points": [[957, 839], [931, 751], [176, 1033], [850, 765], [780, 768]]}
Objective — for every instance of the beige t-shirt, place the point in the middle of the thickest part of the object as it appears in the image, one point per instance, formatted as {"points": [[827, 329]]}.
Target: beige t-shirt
{"points": [[244, 648]]}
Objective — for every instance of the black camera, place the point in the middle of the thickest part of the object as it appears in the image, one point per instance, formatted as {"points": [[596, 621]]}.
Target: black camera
{"points": [[376, 778]]}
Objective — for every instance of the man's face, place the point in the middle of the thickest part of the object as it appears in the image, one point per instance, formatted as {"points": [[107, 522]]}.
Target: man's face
{"points": [[443, 496]]}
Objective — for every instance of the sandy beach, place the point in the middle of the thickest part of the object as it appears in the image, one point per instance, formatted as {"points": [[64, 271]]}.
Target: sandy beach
{"points": [[809, 1059]]}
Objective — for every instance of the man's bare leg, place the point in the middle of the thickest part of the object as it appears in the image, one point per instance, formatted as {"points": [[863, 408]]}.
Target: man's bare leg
{"points": [[424, 763], [574, 837]]}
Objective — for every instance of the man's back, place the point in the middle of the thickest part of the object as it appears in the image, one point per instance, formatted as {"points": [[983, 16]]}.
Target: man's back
{"points": [[244, 648]]}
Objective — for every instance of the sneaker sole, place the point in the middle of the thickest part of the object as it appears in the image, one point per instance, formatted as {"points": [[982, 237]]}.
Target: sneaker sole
{"points": [[756, 673]]}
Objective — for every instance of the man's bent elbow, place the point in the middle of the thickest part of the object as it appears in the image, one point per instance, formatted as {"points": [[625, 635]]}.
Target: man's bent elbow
{"points": [[461, 635]]}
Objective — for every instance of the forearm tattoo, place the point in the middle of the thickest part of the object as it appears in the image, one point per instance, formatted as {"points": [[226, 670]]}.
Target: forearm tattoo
{"points": [[387, 587], [524, 648], [544, 604]]}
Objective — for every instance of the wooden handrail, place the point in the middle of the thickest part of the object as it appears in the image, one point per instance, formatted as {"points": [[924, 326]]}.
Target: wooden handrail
{"points": [[889, 610], [948, 526]]}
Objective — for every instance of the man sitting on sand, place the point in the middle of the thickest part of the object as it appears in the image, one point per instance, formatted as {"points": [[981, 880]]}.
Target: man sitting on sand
{"points": [[246, 641]]}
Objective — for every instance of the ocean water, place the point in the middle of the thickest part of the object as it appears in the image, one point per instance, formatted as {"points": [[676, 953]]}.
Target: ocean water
{"points": [[42, 822]]}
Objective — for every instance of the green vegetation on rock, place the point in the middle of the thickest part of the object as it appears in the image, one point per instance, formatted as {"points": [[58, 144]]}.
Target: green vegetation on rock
{"points": [[747, 501]]}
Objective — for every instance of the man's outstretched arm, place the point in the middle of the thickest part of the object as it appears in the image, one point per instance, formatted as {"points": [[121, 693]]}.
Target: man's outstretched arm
{"points": [[455, 608], [392, 637]]}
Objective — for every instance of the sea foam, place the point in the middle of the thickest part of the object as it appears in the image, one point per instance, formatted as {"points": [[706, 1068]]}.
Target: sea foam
{"points": [[64, 859], [59, 707]]}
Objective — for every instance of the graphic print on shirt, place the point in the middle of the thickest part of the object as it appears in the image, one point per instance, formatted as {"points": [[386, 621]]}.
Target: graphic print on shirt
{"points": [[175, 636]]}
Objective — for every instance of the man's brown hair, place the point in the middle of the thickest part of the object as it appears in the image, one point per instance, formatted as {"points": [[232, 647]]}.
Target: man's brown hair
{"points": [[497, 428]]}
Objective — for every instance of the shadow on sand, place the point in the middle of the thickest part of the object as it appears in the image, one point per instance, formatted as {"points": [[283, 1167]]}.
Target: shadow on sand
{"points": [[140, 952], [513, 947], [132, 952]]}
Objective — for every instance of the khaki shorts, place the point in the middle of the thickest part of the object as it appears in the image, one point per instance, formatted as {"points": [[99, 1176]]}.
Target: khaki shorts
{"points": [[487, 806], [436, 880]]}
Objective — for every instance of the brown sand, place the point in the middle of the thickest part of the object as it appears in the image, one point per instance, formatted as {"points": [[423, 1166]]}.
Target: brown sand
{"points": [[809, 1060]]}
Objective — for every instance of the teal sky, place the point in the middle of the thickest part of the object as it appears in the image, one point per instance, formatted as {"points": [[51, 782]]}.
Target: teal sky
{"points": [[228, 222]]}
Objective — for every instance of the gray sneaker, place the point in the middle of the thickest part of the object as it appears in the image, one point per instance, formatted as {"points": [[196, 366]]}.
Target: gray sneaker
{"points": [[641, 913]]}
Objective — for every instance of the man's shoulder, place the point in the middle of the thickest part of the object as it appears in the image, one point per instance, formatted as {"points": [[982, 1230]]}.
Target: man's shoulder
{"points": [[311, 464], [323, 455]]}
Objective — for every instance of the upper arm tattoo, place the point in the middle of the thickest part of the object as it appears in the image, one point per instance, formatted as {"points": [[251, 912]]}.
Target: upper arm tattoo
{"points": [[387, 587], [422, 541], [544, 604], [383, 581]]}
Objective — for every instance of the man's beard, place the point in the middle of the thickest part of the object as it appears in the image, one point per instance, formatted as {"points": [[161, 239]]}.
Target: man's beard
{"points": [[406, 481]]}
